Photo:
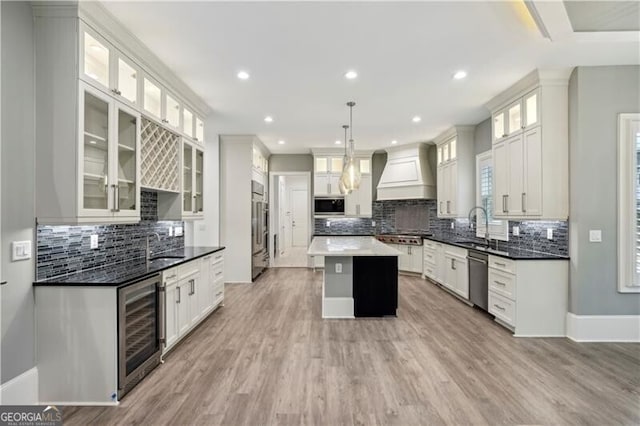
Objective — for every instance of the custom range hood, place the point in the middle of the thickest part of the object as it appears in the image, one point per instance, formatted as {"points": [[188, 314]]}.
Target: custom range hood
{"points": [[407, 174]]}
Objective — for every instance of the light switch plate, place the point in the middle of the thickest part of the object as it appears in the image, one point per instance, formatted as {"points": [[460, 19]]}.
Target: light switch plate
{"points": [[171, 231], [549, 233], [338, 268], [453, 226], [94, 241], [516, 231], [373, 223], [20, 250], [178, 231], [328, 224], [595, 236]]}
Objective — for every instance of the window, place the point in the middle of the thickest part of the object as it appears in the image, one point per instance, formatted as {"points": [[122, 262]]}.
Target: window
{"points": [[629, 203], [498, 229]]}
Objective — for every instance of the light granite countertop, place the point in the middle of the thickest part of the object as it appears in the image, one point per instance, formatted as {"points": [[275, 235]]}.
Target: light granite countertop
{"points": [[349, 246]]}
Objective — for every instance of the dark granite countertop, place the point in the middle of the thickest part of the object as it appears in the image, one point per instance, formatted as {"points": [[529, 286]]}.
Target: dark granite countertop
{"points": [[506, 251], [125, 273]]}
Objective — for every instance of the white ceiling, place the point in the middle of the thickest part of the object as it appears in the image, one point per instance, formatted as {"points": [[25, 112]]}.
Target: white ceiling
{"points": [[405, 54]]}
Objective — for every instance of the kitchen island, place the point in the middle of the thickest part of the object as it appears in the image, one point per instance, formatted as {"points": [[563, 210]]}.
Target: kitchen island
{"points": [[360, 276]]}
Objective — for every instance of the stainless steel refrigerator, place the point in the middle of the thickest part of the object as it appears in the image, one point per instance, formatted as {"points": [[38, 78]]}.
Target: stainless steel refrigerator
{"points": [[259, 229]]}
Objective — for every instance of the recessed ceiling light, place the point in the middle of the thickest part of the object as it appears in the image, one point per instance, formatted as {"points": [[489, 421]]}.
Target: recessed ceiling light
{"points": [[459, 75], [281, 142], [416, 119], [394, 142], [350, 75], [338, 142], [243, 75], [268, 119]]}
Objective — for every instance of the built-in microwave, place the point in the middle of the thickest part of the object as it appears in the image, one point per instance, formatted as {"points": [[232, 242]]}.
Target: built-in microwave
{"points": [[328, 206]]}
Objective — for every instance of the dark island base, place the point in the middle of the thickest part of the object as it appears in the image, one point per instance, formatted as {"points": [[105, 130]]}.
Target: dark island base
{"points": [[375, 286]]}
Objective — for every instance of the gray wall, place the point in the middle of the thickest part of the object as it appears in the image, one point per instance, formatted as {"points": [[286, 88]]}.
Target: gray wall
{"points": [[291, 163], [18, 172], [596, 96], [482, 136], [378, 162]]}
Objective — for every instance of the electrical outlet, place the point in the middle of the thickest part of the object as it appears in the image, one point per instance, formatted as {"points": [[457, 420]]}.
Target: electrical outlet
{"points": [[373, 223], [94, 241], [549, 233], [178, 231], [338, 268], [171, 231], [453, 225], [20, 250], [328, 224], [516, 231], [595, 236]]}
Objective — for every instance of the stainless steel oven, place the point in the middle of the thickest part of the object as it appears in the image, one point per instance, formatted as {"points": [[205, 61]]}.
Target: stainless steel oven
{"points": [[141, 330], [259, 229]]}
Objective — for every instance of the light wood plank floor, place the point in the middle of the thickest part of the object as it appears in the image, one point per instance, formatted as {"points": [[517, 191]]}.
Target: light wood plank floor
{"points": [[268, 358]]}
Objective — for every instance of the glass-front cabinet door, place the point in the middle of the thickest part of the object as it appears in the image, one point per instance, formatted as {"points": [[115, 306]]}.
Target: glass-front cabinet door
{"points": [[199, 181], [95, 194], [152, 98], [514, 118], [171, 111], [187, 122], [199, 130], [499, 130], [95, 54], [531, 103], [128, 137], [187, 176], [126, 76]]}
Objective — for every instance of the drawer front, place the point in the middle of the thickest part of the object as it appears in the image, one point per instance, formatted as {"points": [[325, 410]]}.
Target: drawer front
{"points": [[502, 283], [503, 308], [217, 272], [455, 251], [429, 270], [170, 276], [429, 256], [428, 244], [502, 264], [189, 268], [217, 257]]}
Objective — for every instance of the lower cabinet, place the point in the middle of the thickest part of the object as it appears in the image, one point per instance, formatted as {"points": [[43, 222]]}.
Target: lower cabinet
{"points": [[448, 266], [192, 291], [411, 259]]}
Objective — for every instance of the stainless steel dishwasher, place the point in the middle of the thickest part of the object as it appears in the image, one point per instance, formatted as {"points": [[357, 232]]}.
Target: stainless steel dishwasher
{"points": [[478, 278]]}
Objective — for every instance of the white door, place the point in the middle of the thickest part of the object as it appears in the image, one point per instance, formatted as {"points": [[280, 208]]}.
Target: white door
{"points": [[299, 217]]}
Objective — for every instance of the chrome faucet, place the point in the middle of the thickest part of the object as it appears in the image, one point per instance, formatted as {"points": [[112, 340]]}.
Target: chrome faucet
{"points": [[148, 252], [486, 222]]}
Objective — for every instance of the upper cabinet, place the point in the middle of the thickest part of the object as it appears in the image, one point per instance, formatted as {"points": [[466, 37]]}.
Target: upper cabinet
{"points": [[531, 148], [518, 116], [326, 174], [359, 202], [93, 93], [455, 177], [193, 181]]}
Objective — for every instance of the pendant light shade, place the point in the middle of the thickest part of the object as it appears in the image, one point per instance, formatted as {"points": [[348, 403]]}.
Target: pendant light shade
{"points": [[345, 159], [351, 176]]}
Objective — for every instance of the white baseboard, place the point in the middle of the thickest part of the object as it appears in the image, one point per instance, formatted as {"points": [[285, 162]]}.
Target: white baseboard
{"points": [[603, 328], [21, 390]]}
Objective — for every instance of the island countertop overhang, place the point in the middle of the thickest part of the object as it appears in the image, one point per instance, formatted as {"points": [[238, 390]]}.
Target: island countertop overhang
{"points": [[349, 246]]}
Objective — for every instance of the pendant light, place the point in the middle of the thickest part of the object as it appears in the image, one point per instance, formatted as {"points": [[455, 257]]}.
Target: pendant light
{"points": [[351, 172], [343, 189]]}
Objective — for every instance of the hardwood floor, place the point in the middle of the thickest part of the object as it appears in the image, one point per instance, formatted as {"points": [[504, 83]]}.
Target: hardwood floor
{"points": [[268, 358]]}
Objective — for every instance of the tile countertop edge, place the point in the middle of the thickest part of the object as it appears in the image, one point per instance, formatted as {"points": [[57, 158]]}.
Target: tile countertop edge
{"points": [[201, 252], [531, 254]]}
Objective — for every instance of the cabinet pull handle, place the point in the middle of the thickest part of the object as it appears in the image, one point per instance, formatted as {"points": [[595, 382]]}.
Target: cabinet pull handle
{"points": [[448, 206], [498, 307], [440, 206], [117, 195], [171, 276], [193, 290], [219, 273], [179, 295], [524, 199], [453, 264], [163, 325], [328, 188], [409, 251], [500, 283], [195, 198], [500, 264], [113, 196]]}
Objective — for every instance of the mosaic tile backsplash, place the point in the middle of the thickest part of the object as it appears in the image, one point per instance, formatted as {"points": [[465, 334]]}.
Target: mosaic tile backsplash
{"points": [[63, 250], [420, 217]]}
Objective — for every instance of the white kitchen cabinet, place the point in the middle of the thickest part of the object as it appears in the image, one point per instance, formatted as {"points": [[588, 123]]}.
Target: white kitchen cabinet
{"points": [[152, 97], [109, 172], [326, 175], [411, 258], [106, 68], [434, 263], [358, 203], [531, 156], [199, 133], [192, 181], [455, 178], [529, 297], [456, 276], [171, 111], [518, 175], [172, 300]]}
